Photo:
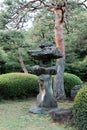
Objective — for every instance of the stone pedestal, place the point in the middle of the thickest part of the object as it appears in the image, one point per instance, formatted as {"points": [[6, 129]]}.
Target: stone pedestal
{"points": [[46, 103]]}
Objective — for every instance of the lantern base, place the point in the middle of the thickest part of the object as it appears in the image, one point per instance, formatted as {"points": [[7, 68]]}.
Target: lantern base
{"points": [[41, 110]]}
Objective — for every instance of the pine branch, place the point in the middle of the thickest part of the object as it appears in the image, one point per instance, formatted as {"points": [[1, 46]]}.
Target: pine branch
{"points": [[83, 3]]}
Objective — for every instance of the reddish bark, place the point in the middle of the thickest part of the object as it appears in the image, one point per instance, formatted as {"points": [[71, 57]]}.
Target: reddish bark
{"points": [[59, 32]]}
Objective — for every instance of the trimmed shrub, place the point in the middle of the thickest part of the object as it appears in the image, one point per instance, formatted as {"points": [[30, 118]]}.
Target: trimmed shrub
{"points": [[18, 85], [80, 109], [70, 80]]}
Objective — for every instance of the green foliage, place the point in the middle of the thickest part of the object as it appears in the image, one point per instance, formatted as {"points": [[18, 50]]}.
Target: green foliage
{"points": [[76, 44], [3, 20], [3, 59], [14, 19], [14, 39], [79, 68], [70, 80], [80, 109], [13, 45], [12, 66], [18, 85], [42, 29], [3, 56]]}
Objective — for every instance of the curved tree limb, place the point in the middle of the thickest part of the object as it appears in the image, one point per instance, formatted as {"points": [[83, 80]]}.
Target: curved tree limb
{"points": [[20, 13]]}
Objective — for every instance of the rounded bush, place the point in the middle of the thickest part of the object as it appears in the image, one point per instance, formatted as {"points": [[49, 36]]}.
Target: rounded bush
{"points": [[70, 80], [80, 109], [18, 85]]}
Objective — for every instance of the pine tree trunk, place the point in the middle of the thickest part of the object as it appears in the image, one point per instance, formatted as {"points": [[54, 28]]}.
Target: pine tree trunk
{"points": [[22, 64], [59, 91]]}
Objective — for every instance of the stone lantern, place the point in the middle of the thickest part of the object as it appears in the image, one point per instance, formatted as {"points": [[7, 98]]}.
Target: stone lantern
{"points": [[46, 103]]}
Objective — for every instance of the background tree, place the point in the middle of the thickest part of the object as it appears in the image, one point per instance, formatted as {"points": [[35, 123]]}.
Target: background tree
{"points": [[18, 12], [3, 60], [13, 45], [76, 44], [42, 29]]}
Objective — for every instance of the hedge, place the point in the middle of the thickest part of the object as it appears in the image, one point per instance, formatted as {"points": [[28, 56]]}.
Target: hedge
{"points": [[80, 109], [25, 85], [18, 85], [70, 80]]}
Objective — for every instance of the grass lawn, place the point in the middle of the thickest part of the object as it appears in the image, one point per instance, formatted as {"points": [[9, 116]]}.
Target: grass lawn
{"points": [[14, 116]]}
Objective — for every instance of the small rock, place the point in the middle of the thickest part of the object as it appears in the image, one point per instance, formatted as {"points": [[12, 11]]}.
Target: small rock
{"points": [[62, 115], [74, 90]]}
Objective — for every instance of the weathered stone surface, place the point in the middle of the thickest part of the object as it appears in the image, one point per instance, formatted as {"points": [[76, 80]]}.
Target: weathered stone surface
{"points": [[59, 92], [43, 45], [45, 97], [41, 110], [62, 115], [42, 70], [46, 52], [74, 90], [48, 102]]}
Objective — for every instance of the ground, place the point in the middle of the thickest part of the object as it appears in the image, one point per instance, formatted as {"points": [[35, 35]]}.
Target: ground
{"points": [[14, 116]]}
